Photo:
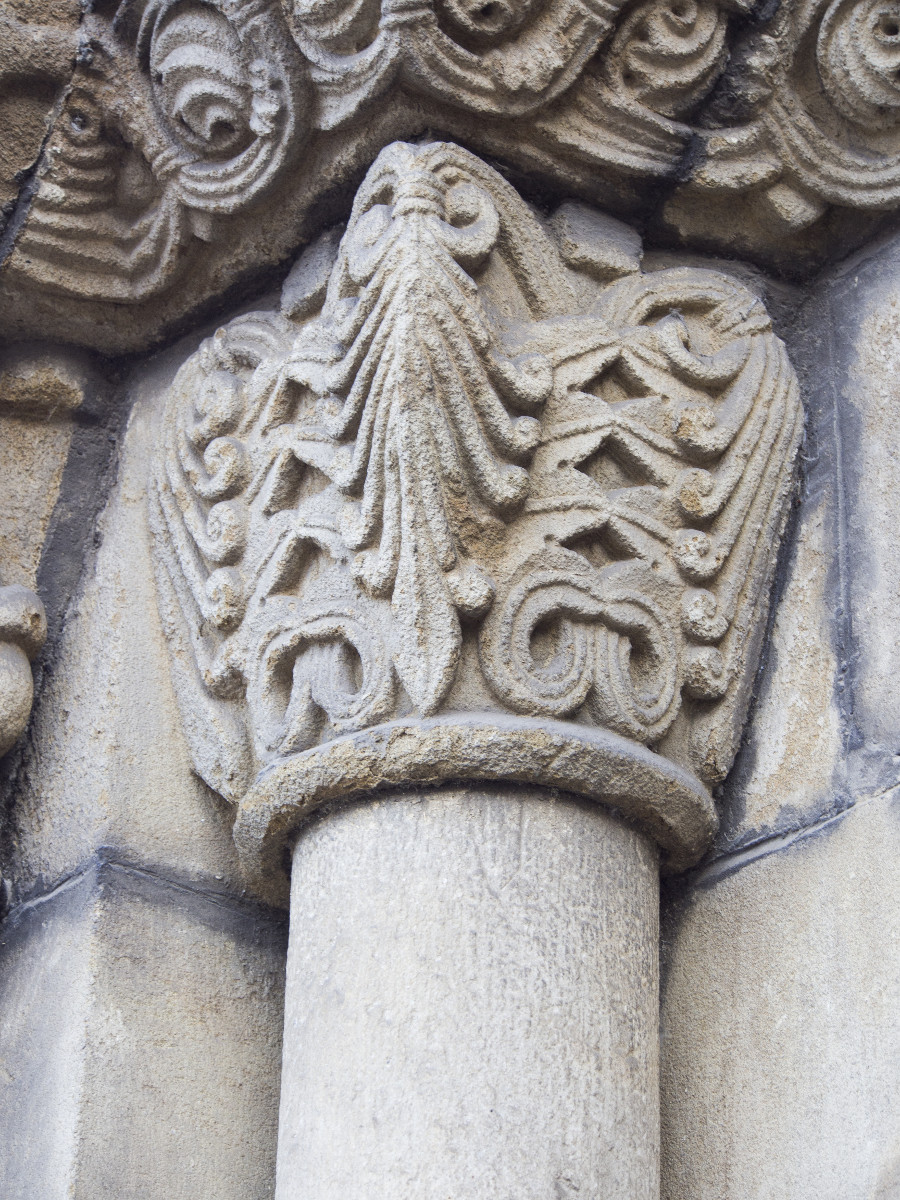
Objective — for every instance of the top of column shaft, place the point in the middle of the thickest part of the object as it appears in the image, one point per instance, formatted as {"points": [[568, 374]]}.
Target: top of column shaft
{"points": [[195, 146]]}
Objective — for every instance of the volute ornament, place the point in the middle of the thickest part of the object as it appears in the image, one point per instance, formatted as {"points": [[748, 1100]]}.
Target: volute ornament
{"points": [[182, 112], [479, 472], [665, 57], [822, 125], [858, 53]]}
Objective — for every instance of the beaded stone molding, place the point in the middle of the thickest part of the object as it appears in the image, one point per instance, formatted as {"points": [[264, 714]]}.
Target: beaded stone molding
{"points": [[481, 500]]}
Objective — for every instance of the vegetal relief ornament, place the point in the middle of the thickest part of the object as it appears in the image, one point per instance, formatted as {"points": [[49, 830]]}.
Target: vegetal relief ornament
{"points": [[812, 116], [504, 58], [180, 113], [483, 500]]}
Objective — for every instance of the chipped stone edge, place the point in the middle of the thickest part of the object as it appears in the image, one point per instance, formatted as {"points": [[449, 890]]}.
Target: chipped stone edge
{"points": [[661, 798]]}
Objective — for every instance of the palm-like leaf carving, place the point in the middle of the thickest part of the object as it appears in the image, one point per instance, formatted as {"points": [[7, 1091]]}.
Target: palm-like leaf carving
{"points": [[419, 399]]}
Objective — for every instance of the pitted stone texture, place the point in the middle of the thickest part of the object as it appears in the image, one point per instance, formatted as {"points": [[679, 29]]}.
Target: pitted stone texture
{"points": [[23, 628], [33, 455], [105, 763], [471, 1002], [141, 991], [792, 758], [38, 44], [779, 1014], [198, 145], [780, 1039], [865, 384], [140, 1043], [645, 789], [494, 467], [42, 381], [44, 990], [40, 389]]}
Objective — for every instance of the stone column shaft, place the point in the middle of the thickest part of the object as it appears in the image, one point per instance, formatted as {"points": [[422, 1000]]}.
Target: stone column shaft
{"points": [[472, 997]]}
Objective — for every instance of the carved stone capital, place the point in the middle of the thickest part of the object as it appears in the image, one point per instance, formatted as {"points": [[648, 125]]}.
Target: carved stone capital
{"points": [[485, 490]]}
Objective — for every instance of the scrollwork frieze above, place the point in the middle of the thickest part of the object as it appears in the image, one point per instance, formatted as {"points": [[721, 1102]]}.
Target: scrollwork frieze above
{"points": [[199, 141], [490, 467]]}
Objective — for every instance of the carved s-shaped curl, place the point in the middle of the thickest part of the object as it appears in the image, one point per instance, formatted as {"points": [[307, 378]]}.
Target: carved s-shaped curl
{"points": [[667, 54], [305, 671], [233, 104], [608, 643]]}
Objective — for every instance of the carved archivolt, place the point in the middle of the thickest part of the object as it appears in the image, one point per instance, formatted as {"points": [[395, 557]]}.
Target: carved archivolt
{"points": [[821, 89], [477, 463], [179, 113], [184, 115], [505, 58]]}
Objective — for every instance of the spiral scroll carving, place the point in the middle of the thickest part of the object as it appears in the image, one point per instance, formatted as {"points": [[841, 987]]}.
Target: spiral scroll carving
{"points": [[498, 58], [229, 103], [858, 55], [200, 80], [485, 22], [197, 108], [668, 55], [565, 636]]}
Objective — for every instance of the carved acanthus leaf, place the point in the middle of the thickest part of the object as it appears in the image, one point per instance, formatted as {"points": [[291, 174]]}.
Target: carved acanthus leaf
{"points": [[422, 402]]}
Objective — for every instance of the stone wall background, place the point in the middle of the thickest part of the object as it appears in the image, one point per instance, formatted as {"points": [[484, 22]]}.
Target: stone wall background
{"points": [[141, 989], [781, 975]]}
